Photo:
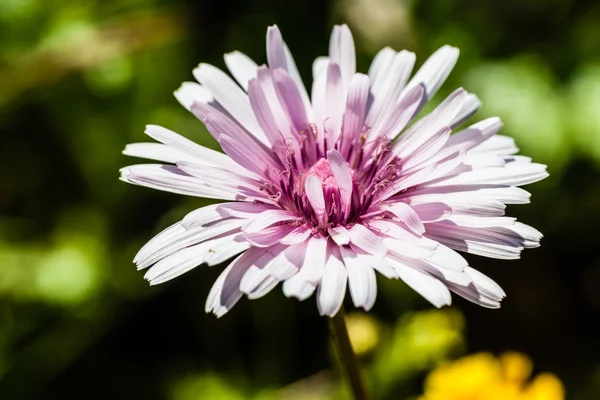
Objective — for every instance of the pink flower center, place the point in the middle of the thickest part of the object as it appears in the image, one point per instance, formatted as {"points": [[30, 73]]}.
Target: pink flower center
{"points": [[322, 170]]}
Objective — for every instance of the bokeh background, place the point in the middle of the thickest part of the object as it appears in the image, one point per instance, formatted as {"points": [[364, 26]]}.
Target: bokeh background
{"points": [[79, 79]]}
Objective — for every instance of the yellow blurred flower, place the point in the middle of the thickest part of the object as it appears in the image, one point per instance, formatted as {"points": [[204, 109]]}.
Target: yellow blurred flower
{"points": [[363, 331], [485, 377]]}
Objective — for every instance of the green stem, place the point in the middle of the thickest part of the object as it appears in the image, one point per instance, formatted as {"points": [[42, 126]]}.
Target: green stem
{"points": [[337, 326]]}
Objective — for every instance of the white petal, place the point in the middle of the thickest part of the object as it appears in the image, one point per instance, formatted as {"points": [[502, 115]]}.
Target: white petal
{"points": [[501, 242], [224, 250], [380, 264], [476, 221], [362, 281], [342, 52], [356, 108], [474, 134], [185, 145], [470, 107], [268, 284], [268, 236], [268, 218], [406, 215], [191, 92], [340, 235], [319, 66], [172, 179], [176, 264], [435, 70], [497, 144], [521, 175], [447, 258], [298, 235], [242, 210], [226, 290], [297, 287], [387, 88], [425, 129], [156, 151], [427, 286], [258, 270], [335, 102], [364, 238], [332, 289], [403, 111], [294, 259], [314, 260], [230, 96], [381, 62], [241, 67], [485, 284], [172, 240]]}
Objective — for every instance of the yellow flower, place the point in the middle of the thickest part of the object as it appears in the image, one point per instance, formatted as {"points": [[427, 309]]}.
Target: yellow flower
{"points": [[484, 377]]}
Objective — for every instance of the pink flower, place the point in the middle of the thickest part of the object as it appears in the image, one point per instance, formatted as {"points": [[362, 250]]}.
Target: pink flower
{"points": [[323, 191]]}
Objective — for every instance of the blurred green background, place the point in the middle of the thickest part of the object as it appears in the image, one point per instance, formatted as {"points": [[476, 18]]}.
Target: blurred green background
{"points": [[79, 79]]}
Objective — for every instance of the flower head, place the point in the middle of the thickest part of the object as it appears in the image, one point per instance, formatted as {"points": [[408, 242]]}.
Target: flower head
{"points": [[323, 191]]}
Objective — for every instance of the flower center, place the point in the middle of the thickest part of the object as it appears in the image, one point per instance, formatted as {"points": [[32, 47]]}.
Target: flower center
{"points": [[322, 170]]}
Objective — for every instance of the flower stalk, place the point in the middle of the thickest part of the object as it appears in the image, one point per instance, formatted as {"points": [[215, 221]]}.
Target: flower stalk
{"points": [[346, 356]]}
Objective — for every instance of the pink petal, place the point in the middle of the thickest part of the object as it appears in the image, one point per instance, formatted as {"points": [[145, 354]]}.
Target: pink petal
{"points": [[343, 176], [432, 212], [264, 114], [279, 56], [255, 161], [290, 99], [314, 192], [356, 107]]}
